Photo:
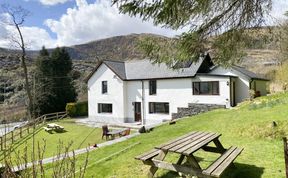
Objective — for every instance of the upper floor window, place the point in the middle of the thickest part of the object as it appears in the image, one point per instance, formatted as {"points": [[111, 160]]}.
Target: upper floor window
{"points": [[152, 87], [206, 88], [104, 87]]}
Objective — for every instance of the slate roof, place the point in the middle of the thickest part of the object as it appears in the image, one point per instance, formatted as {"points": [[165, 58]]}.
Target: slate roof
{"points": [[145, 69], [249, 74], [118, 67]]}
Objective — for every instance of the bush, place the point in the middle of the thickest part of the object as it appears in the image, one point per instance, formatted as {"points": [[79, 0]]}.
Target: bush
{"points": [[77, 109], [82, 108], [71, 109]]}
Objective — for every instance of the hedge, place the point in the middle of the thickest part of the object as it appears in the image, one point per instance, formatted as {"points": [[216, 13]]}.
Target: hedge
{"points": [[77, 109]]}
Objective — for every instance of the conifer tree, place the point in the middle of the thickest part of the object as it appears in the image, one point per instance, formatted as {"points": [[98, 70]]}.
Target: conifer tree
{"points": [[43, 93], [63, 87], [54, 83]]}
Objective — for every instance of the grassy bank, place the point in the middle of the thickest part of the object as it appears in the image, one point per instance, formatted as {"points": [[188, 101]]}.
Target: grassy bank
{"points": [[78, 136], [248, 126]]}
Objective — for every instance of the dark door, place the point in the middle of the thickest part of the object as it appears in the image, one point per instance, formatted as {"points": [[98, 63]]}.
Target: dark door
{"points": [[137, 111], [233, 102]]}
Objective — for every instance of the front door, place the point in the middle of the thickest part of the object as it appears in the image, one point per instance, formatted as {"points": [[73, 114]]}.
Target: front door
{"points": [[137, 111], [233, 102]]}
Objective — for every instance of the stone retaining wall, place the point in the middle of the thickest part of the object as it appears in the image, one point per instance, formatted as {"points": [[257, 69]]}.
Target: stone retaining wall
{"points": [[194, 109]]}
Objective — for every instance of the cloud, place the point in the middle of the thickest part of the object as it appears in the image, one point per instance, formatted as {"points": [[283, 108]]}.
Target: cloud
{"points": [[53, 2], [279, 8], [87, 22], [34, 37], [81, 3], [80, 24]]}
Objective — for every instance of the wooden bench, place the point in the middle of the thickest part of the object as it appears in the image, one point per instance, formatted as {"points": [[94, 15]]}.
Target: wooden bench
{"points": [[148, 155], [217, 168]]}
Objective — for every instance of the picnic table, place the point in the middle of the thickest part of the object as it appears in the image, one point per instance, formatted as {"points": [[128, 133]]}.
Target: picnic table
{"points": [[52, 126], [185, 146], [113, 133]]}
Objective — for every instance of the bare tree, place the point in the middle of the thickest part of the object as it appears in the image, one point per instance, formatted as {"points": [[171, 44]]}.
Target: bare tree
{"points": [[16, 18]]}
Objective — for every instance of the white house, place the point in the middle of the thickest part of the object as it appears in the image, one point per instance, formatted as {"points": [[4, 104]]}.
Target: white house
{"points": [[139, 91]]}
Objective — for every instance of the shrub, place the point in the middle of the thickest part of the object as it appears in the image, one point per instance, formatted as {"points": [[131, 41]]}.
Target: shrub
{"points": [[77, 109], [82, 108], [71, 109]]}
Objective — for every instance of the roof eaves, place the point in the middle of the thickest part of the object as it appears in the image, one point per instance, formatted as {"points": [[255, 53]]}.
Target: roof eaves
{"points": [[253, 78], [92, 72], [216, 75], [263, 79]]}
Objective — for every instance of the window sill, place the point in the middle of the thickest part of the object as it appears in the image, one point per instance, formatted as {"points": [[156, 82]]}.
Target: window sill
{"points": [[206, 95], [160, 113]]}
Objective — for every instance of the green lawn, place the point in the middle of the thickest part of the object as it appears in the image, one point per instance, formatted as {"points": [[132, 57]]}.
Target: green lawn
{"points": [[247, 126], [79, 136]]}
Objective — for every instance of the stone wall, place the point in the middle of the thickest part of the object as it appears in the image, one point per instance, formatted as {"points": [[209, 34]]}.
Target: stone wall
{"points": [[194, 109]]}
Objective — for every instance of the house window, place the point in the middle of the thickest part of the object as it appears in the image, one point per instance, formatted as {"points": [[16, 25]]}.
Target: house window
{"points": [[162, 108], [206, 88], [104, 87], [152, 87], [105, 108]]}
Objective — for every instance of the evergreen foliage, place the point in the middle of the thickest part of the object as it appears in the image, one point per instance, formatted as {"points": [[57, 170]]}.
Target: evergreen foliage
{"points": [[201, 21], [54, 84], [63, 88], [43, 84]]}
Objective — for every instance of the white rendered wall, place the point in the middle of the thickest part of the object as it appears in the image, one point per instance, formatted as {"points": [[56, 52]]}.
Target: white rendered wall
{"points": [[241, 83], [134, 94], [115, 96], [177, 92]]}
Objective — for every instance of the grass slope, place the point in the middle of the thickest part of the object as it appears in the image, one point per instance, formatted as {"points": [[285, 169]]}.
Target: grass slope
{"points": [[247, 126], [78, 136]]}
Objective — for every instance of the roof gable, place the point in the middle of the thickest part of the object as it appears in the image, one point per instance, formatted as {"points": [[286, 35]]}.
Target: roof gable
{"points": [[117, 67], [206, 65]]}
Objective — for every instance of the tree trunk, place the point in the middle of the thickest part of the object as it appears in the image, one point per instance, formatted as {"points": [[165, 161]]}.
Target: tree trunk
{"points": [[23, 63]]}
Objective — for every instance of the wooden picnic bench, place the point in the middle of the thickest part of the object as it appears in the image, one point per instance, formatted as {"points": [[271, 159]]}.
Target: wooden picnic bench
{"points": [[186, 146], [113, 133], [52, 126]]}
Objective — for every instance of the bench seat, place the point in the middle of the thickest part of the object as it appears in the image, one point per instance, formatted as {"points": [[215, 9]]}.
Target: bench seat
{"points": [[148, 155], [47, 129], [217, 168]]}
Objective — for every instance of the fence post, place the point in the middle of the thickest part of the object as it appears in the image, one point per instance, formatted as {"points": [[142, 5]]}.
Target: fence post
{"points": [[20, 132], [1, 143], [285, 155], [57, 115], [28, 129], [12, 136]]}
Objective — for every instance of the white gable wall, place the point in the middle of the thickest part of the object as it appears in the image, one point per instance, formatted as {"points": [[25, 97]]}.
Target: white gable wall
{"points": [[115, 95]]}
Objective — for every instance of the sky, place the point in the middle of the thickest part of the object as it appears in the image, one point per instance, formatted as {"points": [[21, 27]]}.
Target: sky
{"points": [[69, 22]]}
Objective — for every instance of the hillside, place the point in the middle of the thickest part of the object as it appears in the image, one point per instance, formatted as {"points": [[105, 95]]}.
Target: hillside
{"points": [[84, 56], [261, 58]]}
